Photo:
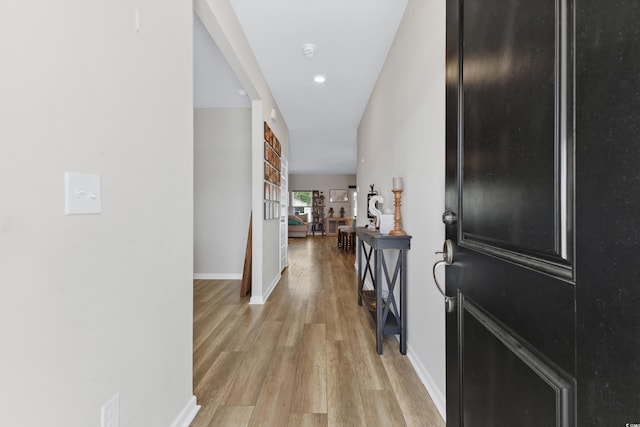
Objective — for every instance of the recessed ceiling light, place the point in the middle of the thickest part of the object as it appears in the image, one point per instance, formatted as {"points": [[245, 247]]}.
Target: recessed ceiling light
{"points": [[319, 78]]}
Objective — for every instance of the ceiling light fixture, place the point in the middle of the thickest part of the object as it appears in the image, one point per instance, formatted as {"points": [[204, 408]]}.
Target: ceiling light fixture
{"points": [[319, 78], [309, 49]]}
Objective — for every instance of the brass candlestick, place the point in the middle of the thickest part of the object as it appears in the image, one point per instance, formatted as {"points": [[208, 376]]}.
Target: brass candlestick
{"points": [[397, 216]]}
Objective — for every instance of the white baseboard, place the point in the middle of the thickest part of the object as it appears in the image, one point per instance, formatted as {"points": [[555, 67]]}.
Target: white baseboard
{"points": [[187, 414], [261, 299], [256, 300], [272, 286], [217, 276], [434, 391]]}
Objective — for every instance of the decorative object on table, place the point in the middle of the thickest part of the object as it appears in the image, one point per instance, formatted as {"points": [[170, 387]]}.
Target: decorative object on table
{"points": [[397, 194], [386, 223], [371, 193], [342, 212], [373, 203], [331, 212], [338, 196]]}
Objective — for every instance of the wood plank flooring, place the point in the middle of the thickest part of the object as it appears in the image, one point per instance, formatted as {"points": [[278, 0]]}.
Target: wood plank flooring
{"points": [[305, 358]]}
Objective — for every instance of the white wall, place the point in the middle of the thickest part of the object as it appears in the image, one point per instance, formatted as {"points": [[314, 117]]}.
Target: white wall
{"points": [[222, 191], [96, 304], [324, 183], [220, 20], [402, 133], [215, 85]]}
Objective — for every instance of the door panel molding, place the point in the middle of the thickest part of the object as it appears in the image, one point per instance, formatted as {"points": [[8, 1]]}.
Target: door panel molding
{"points": [[556, 382], [556, 256], [553, 266]]}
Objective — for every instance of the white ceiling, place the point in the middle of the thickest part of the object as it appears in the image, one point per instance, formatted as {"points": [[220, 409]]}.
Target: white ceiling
{"points": [[352, 39]]}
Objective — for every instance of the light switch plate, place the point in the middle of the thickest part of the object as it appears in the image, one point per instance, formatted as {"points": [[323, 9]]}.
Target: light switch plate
{"points": [[82, 194]]}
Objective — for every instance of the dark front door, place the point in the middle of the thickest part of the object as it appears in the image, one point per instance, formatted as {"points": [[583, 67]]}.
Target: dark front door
{"points": [[543, 155]]}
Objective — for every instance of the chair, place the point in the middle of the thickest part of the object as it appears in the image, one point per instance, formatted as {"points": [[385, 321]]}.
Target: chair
{"points": [[346, 237]]}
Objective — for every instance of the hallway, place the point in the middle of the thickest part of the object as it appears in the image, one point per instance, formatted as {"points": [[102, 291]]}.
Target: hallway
{"points": [[305, 358]]}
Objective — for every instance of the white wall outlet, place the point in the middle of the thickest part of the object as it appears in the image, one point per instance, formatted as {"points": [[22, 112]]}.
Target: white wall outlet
{"points": [[82, 194], [110, 414]]}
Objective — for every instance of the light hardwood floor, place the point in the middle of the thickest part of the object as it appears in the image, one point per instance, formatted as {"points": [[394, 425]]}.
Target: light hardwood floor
{"points": [[305, 358]]}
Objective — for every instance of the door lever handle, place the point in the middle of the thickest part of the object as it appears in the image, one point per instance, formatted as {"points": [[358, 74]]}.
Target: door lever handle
{"points": [[447, 259]]}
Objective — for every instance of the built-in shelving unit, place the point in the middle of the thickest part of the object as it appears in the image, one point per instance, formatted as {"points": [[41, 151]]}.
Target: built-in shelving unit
{"points": [[317, 213]]}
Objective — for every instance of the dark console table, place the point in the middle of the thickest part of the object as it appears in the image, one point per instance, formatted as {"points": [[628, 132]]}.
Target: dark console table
{"points": [[390, 319]]}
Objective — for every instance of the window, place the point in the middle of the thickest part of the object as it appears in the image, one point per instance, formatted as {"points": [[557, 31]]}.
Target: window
{"points": [[300, 198], [301, 203]]}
